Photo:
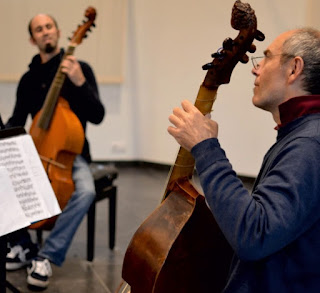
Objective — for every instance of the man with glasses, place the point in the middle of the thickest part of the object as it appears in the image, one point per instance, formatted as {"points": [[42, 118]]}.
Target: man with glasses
{"points": [[275, 231]]}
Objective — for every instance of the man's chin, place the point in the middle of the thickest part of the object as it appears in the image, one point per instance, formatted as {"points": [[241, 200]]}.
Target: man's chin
{"points": [[257, 103], [260, 105], [49, 48]]}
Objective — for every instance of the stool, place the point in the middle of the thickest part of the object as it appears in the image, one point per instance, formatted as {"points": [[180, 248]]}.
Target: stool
{"points": [[103, 176], [103, 179]]}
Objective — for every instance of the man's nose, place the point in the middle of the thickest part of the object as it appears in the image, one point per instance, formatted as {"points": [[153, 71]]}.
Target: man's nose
{"points": [[254, 71], [45, 30]]}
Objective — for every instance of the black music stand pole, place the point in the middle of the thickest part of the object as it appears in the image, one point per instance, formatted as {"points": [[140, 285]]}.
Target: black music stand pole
{"points": [[3, 253], [3, 239], [3, 281]]}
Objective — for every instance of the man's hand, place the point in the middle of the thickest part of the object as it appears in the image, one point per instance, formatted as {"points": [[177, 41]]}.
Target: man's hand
{"points": [[71, 67], [191, 126]]}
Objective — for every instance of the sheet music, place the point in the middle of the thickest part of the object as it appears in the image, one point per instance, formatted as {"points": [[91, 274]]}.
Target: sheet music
{"points": [[25, 188], [12, 217]]}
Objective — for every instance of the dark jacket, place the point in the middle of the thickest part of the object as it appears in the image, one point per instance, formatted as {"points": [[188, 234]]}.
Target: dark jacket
{"points": [[33, 88], [275, 231]]}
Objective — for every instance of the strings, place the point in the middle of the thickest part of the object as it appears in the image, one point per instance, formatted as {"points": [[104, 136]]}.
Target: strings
{"points": [[125, 287]]}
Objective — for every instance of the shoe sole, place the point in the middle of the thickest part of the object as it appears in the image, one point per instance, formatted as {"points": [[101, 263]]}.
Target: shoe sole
{"points": [[37, 283], [16, 266]]}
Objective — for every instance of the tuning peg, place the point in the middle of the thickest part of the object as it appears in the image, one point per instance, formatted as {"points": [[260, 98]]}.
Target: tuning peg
{"points": [[218, 54], [244, 59], [207, 66], [252, 48], [93, 24], [69, 39], [228, 44], [259, 36]]}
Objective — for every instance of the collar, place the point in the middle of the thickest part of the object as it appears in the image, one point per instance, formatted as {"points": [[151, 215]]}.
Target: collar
{"points": [[297, 107], [36, 61]]}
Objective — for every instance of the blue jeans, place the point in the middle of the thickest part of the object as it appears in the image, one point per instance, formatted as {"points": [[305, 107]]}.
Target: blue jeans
{"points": [[57, 243]]}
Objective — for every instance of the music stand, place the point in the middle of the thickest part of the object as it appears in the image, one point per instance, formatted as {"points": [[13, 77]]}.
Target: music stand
{"points": [[4, 133]]}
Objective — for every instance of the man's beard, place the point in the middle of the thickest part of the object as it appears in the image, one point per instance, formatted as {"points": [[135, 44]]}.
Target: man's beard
{"points": [[49, 48]]}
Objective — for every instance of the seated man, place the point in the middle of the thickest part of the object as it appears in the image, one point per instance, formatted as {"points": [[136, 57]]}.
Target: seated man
{"points": [[80, 90], [275, 231]]}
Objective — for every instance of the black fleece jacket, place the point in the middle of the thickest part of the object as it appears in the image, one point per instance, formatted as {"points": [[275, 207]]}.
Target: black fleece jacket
{"points": [[33, 88]]}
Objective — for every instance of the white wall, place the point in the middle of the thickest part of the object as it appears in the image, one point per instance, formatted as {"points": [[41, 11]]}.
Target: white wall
{"points": [[167, 43]]}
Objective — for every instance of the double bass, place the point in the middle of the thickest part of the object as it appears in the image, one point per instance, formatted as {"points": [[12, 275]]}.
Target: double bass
{"points": [[57, 132], [179, 247]]}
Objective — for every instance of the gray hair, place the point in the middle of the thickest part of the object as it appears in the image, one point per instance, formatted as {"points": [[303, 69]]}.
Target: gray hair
{"points": [[305, 42]]}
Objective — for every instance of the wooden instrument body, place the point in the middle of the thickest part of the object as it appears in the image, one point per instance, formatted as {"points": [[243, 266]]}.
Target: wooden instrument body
{"points": [[179, 248], [192, 255], [58, 147]]}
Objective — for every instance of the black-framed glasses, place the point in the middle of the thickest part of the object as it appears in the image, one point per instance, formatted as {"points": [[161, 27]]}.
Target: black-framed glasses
{"points": [[256, 60]]}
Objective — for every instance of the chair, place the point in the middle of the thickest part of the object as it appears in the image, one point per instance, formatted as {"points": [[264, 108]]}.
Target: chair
{"points": [[104, 176]]}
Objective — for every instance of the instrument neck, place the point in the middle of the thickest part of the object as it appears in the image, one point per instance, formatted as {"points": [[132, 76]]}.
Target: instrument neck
{"points": [[53, 94], [184, 163]]}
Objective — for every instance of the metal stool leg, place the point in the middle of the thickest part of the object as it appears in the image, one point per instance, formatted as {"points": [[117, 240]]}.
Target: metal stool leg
{"points": [[91, 231], [112, 217], [111, 194]]}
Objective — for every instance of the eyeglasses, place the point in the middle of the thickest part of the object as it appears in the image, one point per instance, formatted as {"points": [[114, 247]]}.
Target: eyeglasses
{"points": [[256, 60]]}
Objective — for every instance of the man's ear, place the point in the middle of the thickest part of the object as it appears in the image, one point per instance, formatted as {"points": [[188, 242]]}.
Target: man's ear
{"points": [[32, 41], [296, 68]]}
